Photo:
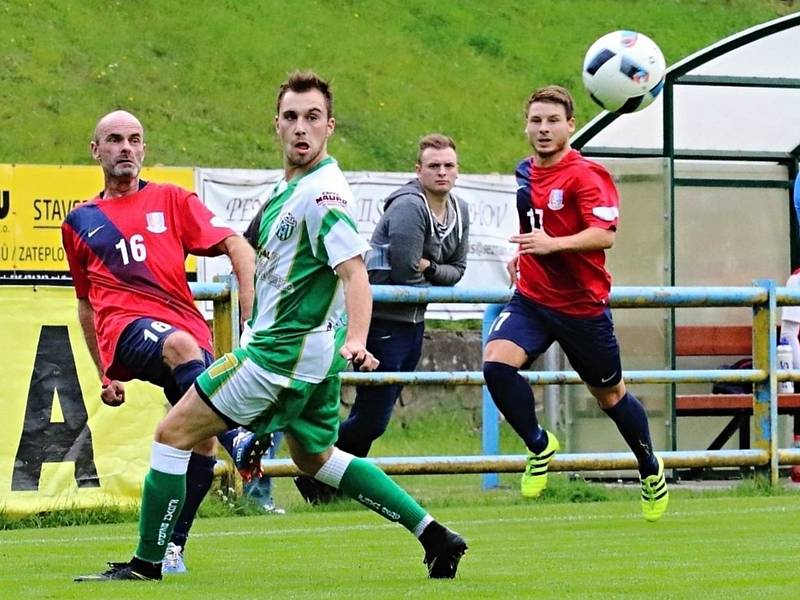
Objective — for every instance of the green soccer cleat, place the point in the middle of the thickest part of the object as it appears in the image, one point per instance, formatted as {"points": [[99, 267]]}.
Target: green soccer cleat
{"points": [[655, 495], [534, 479]]}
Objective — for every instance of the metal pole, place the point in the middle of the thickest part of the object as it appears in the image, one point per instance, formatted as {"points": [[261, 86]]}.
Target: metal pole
{"points": [[550, 377], [765, 393], [491, 416], [552, 406], [508, 463]]}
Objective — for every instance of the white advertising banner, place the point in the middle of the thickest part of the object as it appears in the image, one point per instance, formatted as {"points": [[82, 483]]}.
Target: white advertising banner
{"points": [[236, 194]]}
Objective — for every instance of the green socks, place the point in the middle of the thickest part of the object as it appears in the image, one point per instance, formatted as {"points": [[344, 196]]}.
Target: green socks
{"points": [[363, 481], [162, 498]]}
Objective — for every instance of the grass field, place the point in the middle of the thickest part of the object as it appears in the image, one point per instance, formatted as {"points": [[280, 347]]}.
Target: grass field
{"points": [[721, 547], [202, 75]]}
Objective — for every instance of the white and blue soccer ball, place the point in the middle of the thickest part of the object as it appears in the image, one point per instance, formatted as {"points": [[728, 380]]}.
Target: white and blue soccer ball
{"points": [[624, 71]]}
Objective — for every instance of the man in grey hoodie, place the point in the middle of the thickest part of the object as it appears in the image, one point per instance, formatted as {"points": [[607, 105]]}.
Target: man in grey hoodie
{"points": [[421, 240]]}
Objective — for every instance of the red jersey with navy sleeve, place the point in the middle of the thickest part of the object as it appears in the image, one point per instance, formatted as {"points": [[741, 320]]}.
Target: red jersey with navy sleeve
{"points": [[127, 255], [564, 199]]}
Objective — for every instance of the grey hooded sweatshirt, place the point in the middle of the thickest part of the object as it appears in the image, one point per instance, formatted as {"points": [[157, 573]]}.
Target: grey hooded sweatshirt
{"points": [[408, 231]]}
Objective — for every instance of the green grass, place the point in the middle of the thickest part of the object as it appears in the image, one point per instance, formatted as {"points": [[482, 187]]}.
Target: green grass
{"points": [[702, 548], [70, 517], [443, 425], [202, 75]]}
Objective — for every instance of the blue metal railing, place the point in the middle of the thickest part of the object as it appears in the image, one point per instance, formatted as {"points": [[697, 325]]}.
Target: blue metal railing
{"points": [[763, 297]]}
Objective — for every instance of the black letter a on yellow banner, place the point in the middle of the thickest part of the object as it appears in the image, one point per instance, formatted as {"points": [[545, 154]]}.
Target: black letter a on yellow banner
{"points": [[41, 440]]}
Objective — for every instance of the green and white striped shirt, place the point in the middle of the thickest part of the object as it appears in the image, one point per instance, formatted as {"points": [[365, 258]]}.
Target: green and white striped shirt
{"points": [[299, 321]]}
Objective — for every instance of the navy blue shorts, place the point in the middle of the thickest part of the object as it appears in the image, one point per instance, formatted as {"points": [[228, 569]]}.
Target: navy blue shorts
{"points": [[589, 343], [140, 352]]}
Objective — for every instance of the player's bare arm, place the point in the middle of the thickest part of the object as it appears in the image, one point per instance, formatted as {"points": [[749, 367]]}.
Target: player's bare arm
{"points": [[512, 269], [539, 243], [113, 394], [243, 260], [86, 319], [358, 304]]}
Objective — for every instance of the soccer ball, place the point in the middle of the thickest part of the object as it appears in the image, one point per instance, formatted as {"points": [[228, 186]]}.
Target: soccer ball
{"points": [[624, 71]]}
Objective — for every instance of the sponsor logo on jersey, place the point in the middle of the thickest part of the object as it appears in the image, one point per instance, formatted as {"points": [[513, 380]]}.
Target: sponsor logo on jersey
{"points": [[95, 230], [556, 200], [331, 199], [338, 323], [286, 227], [266, 267], [155, 222]]}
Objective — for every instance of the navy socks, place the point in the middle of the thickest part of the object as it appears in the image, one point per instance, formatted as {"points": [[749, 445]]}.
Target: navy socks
{"points": [[186, 373], [199, 476], [514, 398], [631, 420]]}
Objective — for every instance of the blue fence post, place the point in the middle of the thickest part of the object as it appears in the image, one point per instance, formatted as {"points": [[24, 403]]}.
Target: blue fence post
{"points": [[491, 417], [765, 393]]}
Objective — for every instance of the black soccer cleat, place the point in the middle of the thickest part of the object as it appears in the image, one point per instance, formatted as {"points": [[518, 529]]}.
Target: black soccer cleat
{"points": [[125, 571], [443, 557], [315, 492]]}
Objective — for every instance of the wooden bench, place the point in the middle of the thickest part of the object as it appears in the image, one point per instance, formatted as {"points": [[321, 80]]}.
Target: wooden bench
{"points": [[724, 340]]}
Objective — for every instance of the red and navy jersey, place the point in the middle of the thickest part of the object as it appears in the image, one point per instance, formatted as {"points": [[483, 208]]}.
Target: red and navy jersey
{"points": [[127, 255], [564, 199]]}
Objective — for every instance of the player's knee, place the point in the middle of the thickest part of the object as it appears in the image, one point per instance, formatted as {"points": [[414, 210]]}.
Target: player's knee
{"points": [[310, 463], [180, 347], [495, 373], [504, 351], [307, 462], [207, 447], [167, 435], [608, 398], [172, 433]]}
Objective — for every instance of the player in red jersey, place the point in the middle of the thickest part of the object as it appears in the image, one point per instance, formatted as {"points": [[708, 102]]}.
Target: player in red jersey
{"points": [[568, 210], [126, 250]]}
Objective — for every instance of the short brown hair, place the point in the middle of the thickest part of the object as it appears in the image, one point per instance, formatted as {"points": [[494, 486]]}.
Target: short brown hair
{"points": [[434, 140], [554, 94], [303, 81]]}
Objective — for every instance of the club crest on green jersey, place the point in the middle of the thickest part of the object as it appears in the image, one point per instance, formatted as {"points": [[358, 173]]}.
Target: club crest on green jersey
{"points": [[286, 227]]}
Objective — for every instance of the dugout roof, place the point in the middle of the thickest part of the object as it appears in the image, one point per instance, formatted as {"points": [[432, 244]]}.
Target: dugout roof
{"points": [[738, 99]]}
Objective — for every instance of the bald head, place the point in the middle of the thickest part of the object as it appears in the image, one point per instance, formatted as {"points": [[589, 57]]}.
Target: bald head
{"points": [[118, 118], [118, 145]]}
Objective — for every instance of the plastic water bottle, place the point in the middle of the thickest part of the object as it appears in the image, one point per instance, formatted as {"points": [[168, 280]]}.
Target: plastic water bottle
{"points": [[785, 360]]}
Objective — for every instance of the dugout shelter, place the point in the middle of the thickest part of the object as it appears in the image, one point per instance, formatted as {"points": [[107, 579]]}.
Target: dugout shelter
{"points": [[706, 176]]}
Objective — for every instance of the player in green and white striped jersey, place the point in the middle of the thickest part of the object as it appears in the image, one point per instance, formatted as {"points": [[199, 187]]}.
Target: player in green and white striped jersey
{"points": [[302, 234], [311, 317]]}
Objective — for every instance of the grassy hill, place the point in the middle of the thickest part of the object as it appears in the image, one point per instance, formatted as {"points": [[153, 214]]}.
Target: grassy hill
{"points": [[202, 75]]}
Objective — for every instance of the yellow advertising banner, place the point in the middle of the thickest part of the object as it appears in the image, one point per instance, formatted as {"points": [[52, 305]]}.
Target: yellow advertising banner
{"points": [[34, 199], [60, 446], [7, 224]]}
